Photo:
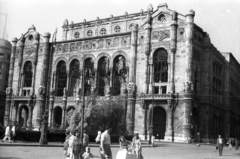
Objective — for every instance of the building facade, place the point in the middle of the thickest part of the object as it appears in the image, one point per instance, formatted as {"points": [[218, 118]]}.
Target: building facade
{"points": [[5, 52], [174, 80]]}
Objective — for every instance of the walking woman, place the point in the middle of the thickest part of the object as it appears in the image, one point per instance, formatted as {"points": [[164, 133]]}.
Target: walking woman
{"points": [[122, 152], [137, 146]]}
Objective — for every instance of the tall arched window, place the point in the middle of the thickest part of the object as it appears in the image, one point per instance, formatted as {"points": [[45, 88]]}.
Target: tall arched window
{"points": [[160, 66], [61, 78], [28, 74], [119, 74], [89, 75], [103, 75], [74, 77]]}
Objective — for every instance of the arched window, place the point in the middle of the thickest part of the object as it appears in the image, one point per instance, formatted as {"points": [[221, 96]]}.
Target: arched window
{"points": [[74, 77], [89, 74], [119, 74], [61, 78], [28, 74], [117, 29], [160, 66], [103, 75], [103, 31]]}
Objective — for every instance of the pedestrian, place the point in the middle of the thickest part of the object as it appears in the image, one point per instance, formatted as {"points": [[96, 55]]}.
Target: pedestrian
{"points": [[220, 145], [77, 145], [236, 144], [13, 133], [85, 140], [71, 144], [7, 134], [105, 148], [150, 133], [137, 146], [122, 152], [153, 141], [230, 143], [87, 154], [98, 138]]}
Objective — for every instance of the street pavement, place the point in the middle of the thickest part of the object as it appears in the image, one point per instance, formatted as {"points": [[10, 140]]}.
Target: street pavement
{"points": [[164, 150]]}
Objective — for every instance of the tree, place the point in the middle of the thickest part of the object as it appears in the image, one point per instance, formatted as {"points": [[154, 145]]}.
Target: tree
{"points": [[99, 114]]}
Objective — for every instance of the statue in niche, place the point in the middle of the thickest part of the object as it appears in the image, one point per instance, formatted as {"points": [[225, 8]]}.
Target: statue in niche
{"points": [[65, 92], [107, 90], [120, 65], [52, 92], [8, 91], [78, 91], [41, 90]]}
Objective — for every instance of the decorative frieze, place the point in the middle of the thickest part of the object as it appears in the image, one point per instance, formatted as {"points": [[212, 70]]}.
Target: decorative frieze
{"points": [[160, 35], [121, 41]]}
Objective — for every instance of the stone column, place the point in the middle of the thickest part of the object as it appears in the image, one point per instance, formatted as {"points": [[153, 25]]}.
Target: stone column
{"points": [[132, 82], [40, 103], [147, 43], [173, 48], [188, 100], [51, 105], [20, 60], [64, 112], [10, 81], [35, 56]]}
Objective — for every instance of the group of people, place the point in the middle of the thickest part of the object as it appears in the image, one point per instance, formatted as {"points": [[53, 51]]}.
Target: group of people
{"points": [[221, 142], [74, 149], [10, 133]]}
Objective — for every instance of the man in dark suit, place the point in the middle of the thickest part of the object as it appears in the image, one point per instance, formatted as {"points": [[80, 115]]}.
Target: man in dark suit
{"points": [[220, 144]]}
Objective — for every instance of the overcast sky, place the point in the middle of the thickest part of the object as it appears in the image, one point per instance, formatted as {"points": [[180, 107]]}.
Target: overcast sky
{"points": [[220, 18]]}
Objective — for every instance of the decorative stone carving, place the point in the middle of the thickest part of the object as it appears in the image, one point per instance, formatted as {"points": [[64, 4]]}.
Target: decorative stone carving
{"points": [[8, 91], [65, 92], [160, 35], [131, 88], [108, 43], [100, 44], [188, 87], [79, 91], [150, 8], [52, 92], [65, 22], [72, 47], [41, 90], [115, 42], [65, 48], [79, 45]]}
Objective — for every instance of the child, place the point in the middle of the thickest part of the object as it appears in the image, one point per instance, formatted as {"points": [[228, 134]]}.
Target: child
{"points": [[153, 141], [87, 154]]}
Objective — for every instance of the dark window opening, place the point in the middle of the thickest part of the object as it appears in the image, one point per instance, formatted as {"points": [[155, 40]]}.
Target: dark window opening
{"points": [[28, 74], [160, 66], [61, 78]]}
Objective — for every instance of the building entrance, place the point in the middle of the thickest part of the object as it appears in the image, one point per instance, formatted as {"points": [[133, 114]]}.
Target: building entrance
{"points": [[159, 122]]}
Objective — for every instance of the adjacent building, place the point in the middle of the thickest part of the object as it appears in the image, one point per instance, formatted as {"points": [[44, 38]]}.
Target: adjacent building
{"points": [[5, 52], [175, 81]]}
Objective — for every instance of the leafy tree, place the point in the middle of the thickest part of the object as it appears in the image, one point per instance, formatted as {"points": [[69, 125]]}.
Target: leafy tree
{"points": [[99, 114]]}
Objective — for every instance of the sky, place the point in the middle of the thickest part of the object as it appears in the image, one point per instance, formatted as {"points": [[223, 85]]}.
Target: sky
{"points": [[219, 18]]}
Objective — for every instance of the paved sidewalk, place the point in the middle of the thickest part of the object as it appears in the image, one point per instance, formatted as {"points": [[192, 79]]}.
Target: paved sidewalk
{"points": [[59, 144]]}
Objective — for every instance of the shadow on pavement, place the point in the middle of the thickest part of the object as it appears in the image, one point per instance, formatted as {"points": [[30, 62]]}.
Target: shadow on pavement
{"points": [[9, 158]]}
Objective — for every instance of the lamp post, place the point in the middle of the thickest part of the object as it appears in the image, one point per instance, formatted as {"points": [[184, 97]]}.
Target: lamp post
{"points": [[83, 99], [153, 91]]}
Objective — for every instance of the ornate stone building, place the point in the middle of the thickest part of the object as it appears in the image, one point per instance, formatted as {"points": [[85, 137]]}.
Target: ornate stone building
{"points": [[172, 76], [5, 52]]}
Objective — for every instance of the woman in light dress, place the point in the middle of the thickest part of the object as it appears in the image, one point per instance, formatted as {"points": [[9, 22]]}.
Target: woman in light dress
{"points": [[98, 138], [122, 152], [137, 146]]}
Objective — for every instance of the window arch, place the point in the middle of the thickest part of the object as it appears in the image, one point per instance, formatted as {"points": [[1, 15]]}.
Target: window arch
{"points": [[61, 78], [89, 33], [160, 66], [74, 77], [119, 74], [103, 75], [89, 75], [28, 74], [103, 31], [117, 29], [77, 35]]}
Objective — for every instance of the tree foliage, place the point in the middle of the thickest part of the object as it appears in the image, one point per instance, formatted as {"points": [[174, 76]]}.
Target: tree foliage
{"points": [[98, 114]]}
